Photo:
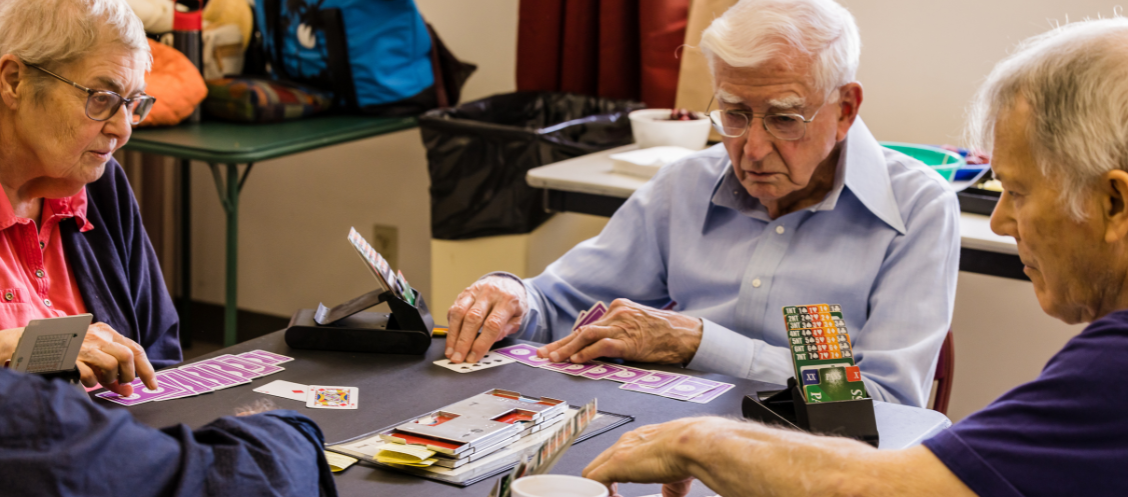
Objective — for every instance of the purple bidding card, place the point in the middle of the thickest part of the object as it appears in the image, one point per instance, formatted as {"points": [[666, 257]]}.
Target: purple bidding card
{"points": [[257, 367], [635, 387], [712, 394], [267, 357], [578, 369], [628, 375], [524, 354], [164, 377], [141, 394], [601, 371], [216, 380], [230, 369], [597, 311], [687, 388], [656, 379], [183, 380]]}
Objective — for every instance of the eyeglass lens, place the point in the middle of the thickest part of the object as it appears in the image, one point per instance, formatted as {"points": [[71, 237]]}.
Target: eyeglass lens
{"points": [[101, 106], [734, 124]]}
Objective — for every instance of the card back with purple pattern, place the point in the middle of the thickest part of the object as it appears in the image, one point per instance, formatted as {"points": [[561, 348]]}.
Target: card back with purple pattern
{"points": [[216, 380], [184, 380], [687, 388], [601, 371], [524, 354], [267, 357], [578, 369], [628, 375], [259, 368], [712, 394], [657, 379], [229, 369], [141, 394]]}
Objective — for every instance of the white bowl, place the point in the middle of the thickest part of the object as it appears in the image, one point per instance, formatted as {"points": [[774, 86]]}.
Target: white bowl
{"points": [[557, 486], [652, 128]]}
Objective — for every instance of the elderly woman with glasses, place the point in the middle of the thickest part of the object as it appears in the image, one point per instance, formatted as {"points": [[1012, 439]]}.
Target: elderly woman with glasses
{"points": [[72, 81], [798, 205]]}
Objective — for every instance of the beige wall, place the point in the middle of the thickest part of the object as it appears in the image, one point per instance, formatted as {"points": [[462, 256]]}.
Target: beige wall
{"points": [[921, 62]]}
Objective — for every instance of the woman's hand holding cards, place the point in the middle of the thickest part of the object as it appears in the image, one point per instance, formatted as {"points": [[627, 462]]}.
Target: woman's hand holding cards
{"points": [[113, 360], [633, 332], [495, 305]]}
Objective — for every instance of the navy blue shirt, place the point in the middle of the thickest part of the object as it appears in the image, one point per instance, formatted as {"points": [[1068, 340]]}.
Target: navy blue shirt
{"points": [[55, 442], [1065, 433], [117, 270]]}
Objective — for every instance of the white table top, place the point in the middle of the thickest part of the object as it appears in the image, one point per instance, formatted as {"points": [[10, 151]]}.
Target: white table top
{"points": [[592, 174]]}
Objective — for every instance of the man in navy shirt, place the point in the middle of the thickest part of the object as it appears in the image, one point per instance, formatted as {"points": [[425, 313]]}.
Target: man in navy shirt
{"points": [[1056, 113]]}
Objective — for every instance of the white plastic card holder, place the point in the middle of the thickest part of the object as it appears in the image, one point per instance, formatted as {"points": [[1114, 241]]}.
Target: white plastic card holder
{"points": [[50, 345]]}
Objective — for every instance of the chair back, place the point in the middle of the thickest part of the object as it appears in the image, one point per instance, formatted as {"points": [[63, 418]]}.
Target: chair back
{"points": [[942, 380]]}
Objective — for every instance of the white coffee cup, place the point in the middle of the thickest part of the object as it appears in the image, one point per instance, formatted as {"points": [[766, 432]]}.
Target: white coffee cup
{"points": [[557, 486]]}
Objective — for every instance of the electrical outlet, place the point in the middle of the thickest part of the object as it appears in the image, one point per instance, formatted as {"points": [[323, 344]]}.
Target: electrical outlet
{"points": [[385, 240]]}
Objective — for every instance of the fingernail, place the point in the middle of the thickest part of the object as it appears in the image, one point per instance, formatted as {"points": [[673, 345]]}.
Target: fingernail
{"points": [[456, 357], [449, 351], [575, 358], [554, 356], [470, 358]]}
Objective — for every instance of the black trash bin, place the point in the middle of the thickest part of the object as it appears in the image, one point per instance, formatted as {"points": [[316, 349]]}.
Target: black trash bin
{"points": [[478, 154]]}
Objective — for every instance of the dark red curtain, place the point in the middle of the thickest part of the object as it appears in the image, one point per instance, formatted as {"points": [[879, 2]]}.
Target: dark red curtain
{"points": [[609, 48]]}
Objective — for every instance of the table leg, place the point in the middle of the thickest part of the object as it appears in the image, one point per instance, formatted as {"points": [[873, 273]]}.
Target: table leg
{"points": [[229, 196], [185, 252]]}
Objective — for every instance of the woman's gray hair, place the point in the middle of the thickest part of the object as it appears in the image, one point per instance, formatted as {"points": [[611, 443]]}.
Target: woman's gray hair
{"points": [[753, 32], [57, 32], [1074, 79]]}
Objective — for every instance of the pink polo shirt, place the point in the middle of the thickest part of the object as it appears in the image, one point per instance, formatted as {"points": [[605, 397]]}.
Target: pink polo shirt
{"points": [[35, 280]]}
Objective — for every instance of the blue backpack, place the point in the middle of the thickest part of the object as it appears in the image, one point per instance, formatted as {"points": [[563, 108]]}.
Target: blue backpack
{"points": [[375, 56]]}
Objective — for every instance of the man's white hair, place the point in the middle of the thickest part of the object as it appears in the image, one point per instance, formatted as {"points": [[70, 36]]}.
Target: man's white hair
{"points": [[753, 32], [58, 32], [1075, 80]]}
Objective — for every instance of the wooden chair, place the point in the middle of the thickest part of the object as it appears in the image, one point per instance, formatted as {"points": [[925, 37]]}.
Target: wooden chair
{"points": [[945, 371]]}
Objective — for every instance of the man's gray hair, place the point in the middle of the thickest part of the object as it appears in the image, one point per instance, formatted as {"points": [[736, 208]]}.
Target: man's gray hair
{"points": [[56, 32], [753, 32], [1074, 79]]}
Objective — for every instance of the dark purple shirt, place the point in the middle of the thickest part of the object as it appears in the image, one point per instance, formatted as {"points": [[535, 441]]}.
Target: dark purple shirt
{"points": [[1065, 433], [117, 270]]}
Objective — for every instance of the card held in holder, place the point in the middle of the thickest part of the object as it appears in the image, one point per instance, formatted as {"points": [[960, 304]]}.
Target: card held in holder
{"points": [[822, 354]]}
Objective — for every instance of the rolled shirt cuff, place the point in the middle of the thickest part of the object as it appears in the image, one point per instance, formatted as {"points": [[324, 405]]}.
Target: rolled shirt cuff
{"points": [[727, 352]]}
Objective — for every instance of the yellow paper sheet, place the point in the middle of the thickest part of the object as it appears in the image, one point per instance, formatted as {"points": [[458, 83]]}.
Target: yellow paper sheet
{"points": [[416, 453], [338, 462]]}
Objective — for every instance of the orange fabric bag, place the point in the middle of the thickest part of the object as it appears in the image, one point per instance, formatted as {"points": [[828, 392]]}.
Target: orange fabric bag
{"points": [[177, 85]]}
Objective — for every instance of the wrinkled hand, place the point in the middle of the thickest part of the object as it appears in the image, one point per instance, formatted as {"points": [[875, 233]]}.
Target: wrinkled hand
{"points": [[633, 332], [495, 305], [113, 360], [651, 454]]}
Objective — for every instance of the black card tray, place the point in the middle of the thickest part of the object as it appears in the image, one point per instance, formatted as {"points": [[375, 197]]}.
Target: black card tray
{"points": [[406, 330], [787, 408]]}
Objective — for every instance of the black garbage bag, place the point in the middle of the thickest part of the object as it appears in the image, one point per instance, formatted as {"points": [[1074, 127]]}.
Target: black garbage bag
{"points": [[478, 154]]}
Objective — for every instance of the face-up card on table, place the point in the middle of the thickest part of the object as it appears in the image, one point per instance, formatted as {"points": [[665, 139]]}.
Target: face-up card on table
{"points": [[142, 394], [524, 354], [819, 340], [285, 389], [326, 397], [490, 360], [265, 357]]}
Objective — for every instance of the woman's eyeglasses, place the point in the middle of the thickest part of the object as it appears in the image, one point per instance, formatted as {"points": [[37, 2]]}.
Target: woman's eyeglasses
{"points": [[103, 104]]}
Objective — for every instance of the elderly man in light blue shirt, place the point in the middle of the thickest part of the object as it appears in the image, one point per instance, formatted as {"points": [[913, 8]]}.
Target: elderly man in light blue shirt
{"points": [[799, 205]]}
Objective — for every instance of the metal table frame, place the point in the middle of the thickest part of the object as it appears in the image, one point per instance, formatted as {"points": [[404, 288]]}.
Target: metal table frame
{"points": [[226, 145]]}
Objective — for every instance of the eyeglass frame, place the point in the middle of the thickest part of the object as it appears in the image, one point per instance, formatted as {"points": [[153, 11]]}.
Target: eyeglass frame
{"points": [[90, 94], [763, 121]]}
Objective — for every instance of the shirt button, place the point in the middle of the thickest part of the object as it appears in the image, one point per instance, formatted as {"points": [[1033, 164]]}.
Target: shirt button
{"points": [[41, 245], [779, 229], [8, 296], [47, 302], [40, 273], [756, 283], [736, 192]]}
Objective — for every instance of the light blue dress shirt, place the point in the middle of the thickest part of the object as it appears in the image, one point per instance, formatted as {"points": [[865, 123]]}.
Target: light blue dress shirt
{"points": [[884, 244]]}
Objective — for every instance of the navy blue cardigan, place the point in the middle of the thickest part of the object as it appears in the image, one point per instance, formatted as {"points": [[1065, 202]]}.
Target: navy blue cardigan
{"points": [[117, 269]]}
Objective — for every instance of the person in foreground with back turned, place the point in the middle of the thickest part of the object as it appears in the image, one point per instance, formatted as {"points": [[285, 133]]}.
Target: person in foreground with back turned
{"points": [[1057, 114]]}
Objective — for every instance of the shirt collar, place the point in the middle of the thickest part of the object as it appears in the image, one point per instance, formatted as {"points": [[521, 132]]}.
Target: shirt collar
{"points": [[67, 207], [861, 168]]}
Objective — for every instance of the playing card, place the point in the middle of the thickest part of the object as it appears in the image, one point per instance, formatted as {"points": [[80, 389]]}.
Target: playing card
{"points": [[579, 319], [229, 369], [601, 371], [211, 377], [657, 379], [183, 380], [524, 354], [141, 394], [490, 360], [597, 311], [285, 389], [634, 387], [578, 369], [164, 377], [628, 375], [556, 366], [323, 397], [259, 368], [687, 388], [712, 394], [264, 356]]}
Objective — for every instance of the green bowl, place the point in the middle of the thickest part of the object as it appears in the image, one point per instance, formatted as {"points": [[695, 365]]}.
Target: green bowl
{"points": [[942, 161]]}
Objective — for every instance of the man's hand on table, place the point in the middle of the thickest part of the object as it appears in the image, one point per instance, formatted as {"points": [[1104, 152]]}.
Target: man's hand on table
{"points": [[495, 305], [633, 332], [113, 361], [651, 454]]}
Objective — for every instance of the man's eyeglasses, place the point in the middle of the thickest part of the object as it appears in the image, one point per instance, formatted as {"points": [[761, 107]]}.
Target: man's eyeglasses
{"points": [[734, 123], [103, 104]]}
